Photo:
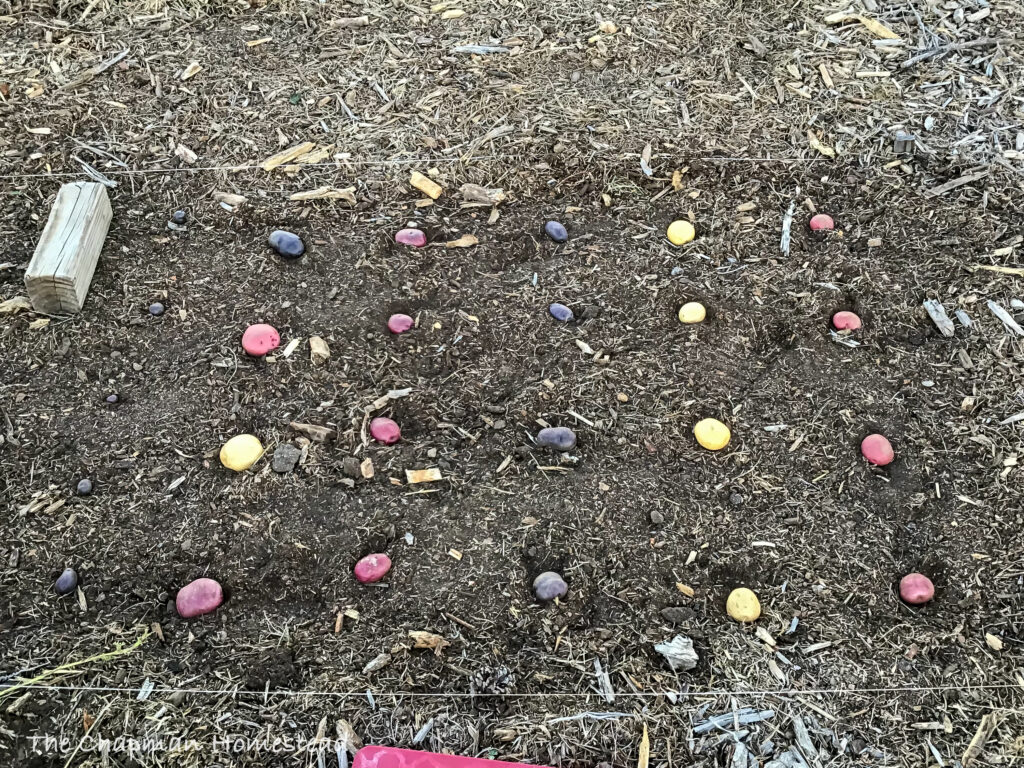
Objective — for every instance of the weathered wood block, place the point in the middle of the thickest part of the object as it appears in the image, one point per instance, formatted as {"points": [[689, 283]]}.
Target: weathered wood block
{"points": [[61, 269]]}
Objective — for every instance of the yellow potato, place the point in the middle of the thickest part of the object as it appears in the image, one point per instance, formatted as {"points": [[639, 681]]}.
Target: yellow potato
{"points": [[680, 232], [692, 312], [241, 452], [743, 605], [712, 434]]}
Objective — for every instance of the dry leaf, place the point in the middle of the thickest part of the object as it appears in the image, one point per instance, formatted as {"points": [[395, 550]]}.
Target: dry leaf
{"points": [[428, 641], [186, 154], [355, 21], [287, 155], [466, 241], [474, 193], [686, 589], [87, 720], [677, 180], [314, 432], [426, 186], [815, 143], [608, 27], [229, 198], [430, 475], [875, 27], [319, 352], [455, 13], [993, 641], [38, 323], [645, 750], [39, 131], [326, 193], [366, 469], [191, 71], [645, 161], [261, 41], [15, 305]]}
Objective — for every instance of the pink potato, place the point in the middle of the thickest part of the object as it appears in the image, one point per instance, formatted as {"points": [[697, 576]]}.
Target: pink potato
{"points": [[845, 321], [916, 589], [877, 450], [199, 597], [400, 323], [260, 339], [822, 222], [385, 431], [372, 568], [413, 237]]}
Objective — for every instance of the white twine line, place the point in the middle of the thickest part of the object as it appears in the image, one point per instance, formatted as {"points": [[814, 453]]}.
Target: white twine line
{"points": [[637, 694], [340, 165]]}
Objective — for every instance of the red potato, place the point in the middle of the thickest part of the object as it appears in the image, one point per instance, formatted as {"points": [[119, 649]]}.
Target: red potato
{"points": [[822, 222], [845, 321], [916, 589], [199, 597], [877, 450], [385, 431], [372, 568], [400, 323]]}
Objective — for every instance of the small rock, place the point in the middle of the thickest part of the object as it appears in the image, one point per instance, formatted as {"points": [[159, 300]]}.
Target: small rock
{"points": [[413, 237], [677, 271], [286, 458], [112, 399], [66, 582], [351, 466], [156, 309], [179, 217], [287, 244], [84, 487], [176, 699], [561, 312], [556, 231], [736, 499], [557, 438], [199, 597], [549, 585], [1017, 303], [677, 614], [679, 653], [400, 323], [657, 517], [822, 222], [385, 431], [260, 339], [372, 568]]}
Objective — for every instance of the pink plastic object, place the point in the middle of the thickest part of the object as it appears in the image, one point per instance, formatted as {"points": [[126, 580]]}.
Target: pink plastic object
{"points": [[260, 339], [199, 597], [877, 450], [845, 321], [385, 431], [373, 568], [400, 323], [414, 237], [916, 589], [822, 222], [388, 757]]}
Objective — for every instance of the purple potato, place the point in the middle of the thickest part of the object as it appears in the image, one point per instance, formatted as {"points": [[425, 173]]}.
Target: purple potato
{"points": [[561, 313], [178, 217], [156, 309], [66, 582], [287, 244], [548, 586], [557, 438], [556, 231], [84, 487]]}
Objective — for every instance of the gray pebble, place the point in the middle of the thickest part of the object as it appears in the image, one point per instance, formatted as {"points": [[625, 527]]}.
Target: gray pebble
{"points": [[351, 467], [286, 456], [677, 614], [677, 271], [736, 499], [66, 582], [657, 517]]}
